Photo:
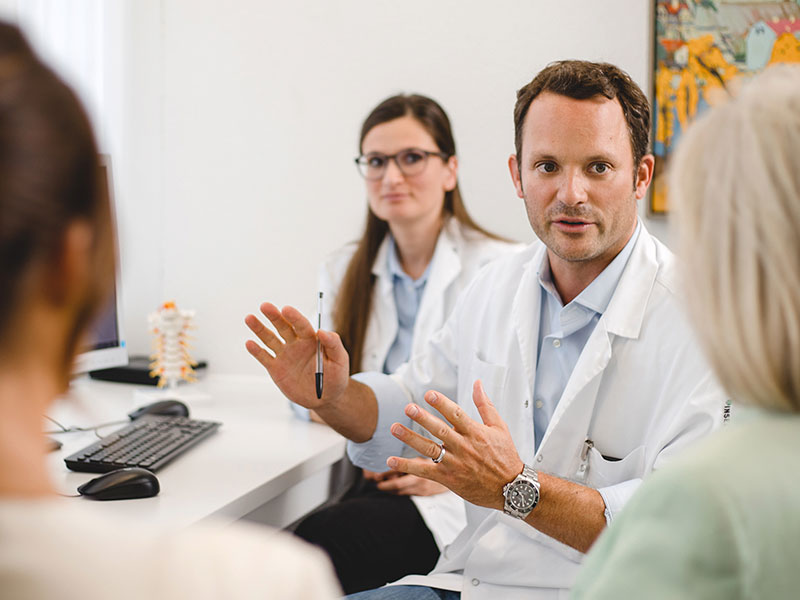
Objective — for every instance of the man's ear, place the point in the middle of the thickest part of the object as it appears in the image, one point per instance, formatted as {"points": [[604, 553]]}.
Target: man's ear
{"points": [[69, 272], [513, 167], [644, 174]]}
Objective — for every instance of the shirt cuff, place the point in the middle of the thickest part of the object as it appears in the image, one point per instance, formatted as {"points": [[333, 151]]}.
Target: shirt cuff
{"points": [[392, 399], [301, 412], [616, 496]]}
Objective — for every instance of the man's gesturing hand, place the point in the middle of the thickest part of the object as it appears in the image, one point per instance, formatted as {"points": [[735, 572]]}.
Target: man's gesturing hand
{"points": [[290, 355], [480, 458]]}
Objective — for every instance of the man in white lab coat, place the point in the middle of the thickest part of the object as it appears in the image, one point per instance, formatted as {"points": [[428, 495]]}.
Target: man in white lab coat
{"points": [[565, 373]]}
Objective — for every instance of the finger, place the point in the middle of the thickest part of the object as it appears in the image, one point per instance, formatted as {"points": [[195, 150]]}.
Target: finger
{"points": [[391, 485], [421, 444], [265, 334], [421, 467], [486, 409], [371, 475], [450, 411], [333, 347], [434, 425], [259, 354], [301, 326], [275, 317]]}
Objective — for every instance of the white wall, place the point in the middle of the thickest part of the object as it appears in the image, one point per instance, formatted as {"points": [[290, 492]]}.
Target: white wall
{"points": [[238, 123]]}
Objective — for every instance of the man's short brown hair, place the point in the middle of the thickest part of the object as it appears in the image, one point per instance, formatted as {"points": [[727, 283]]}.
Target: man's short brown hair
{"points": [[581, 80]]}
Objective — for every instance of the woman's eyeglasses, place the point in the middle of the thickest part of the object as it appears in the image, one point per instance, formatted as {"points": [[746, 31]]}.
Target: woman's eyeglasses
{"points": [[410, 161]]}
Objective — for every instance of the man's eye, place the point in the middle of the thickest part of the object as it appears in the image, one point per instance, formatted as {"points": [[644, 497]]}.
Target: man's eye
{"points": [[600, 168], [376, 162], [411, 157], [546, 167]]}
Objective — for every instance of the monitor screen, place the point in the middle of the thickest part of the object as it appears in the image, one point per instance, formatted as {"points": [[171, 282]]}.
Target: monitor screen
{"points": [[105, 343]]}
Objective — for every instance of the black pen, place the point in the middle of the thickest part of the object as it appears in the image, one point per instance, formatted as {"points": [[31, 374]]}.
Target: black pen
{"points": [[319, 349]]}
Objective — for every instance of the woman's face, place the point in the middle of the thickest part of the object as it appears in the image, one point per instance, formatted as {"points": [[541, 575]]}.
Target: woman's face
{"points": [[404, 200]]}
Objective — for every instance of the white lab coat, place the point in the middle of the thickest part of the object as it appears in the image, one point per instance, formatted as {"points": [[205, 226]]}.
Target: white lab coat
{"points": [[459, 254], [641, 391]]}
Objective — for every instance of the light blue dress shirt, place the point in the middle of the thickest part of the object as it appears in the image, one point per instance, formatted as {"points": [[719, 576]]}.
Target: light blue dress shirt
{"points": [[407, 298], [564, 331]]}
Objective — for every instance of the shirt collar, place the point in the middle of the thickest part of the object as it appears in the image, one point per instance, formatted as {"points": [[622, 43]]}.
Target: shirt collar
{"points": [[396, 271], [597, 295]]}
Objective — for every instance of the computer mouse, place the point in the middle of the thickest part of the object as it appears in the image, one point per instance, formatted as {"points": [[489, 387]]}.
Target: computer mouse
{"points": [[122, 484], [167, 408]]}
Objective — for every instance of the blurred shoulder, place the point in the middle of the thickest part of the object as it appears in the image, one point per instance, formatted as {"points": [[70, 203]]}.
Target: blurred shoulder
{"points": [[50, 543], [475, 245]]}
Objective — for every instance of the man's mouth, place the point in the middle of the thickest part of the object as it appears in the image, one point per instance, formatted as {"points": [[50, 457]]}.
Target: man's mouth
{"points": [[572, 225]]}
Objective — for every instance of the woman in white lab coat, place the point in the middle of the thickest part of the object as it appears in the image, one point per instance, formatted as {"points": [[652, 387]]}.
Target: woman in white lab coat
{"points": [[386, 294]]}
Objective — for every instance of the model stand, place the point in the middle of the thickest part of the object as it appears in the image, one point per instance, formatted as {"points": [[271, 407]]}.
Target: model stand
{"points": [[171, 360]]}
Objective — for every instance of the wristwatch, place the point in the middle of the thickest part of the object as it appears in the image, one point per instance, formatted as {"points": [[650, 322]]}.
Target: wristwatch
{"points": [[522, 494]]}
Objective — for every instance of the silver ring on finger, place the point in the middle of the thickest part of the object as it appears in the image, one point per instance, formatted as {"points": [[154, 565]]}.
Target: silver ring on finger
{"points": [[439, 458]]}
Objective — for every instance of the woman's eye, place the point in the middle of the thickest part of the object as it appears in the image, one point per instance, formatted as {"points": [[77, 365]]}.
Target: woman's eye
{"points": [[411, 157], [376, 162]]}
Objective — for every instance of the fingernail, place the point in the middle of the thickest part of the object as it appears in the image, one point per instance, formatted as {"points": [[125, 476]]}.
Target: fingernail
{"points": [[397, 430], [412, 410], [432, 398], [391, 463]]}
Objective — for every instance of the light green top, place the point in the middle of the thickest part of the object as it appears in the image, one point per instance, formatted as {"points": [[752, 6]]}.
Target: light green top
{"points": [[721, 523]]}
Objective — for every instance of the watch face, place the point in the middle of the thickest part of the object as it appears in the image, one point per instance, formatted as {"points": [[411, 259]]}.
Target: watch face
{"points": [[523, 495]]}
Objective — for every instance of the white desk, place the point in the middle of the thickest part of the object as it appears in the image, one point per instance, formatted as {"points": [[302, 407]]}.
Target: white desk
{"points": [[263, 463]]}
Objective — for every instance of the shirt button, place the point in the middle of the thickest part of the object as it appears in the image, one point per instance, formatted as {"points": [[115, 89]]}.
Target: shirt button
{"points": [[556, 343], [539, 404], [476, 581]]}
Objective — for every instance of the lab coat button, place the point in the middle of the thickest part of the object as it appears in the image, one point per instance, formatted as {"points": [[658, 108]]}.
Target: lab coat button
{"points": [[539, 458], [582, 468], [526, 404], [556, 343], [475, 581]]}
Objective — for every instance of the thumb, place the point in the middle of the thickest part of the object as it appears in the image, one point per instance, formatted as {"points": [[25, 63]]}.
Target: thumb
{"points": [[333, 347]]}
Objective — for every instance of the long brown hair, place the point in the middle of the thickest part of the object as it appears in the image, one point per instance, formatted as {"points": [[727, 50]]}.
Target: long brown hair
{"points": [[49, 178], [352, 309]]}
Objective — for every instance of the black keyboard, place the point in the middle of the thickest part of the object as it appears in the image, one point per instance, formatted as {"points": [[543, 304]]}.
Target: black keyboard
{"points": [[149, 442]]}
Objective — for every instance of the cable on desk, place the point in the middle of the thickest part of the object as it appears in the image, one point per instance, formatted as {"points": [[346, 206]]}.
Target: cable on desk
{"points": [[78, 429]]}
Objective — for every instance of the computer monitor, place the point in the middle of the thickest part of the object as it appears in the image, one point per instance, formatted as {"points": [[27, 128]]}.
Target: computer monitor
{"points": [[106, 343]]}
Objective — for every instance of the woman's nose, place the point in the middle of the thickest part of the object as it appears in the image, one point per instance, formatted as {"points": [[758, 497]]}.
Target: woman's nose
{"points": [[393, 174]]}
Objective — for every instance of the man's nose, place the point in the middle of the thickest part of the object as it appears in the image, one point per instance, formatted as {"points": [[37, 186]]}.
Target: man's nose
{"points": [[572, 188]]}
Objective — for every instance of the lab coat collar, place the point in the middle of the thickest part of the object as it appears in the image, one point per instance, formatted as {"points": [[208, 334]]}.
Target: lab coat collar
{"points": [[625, 312]]}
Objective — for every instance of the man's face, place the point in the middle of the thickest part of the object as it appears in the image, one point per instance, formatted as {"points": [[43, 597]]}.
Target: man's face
{"points": [[577, 178]]}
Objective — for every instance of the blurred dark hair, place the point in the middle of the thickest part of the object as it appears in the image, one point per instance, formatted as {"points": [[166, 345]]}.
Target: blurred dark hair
{"points": [[581, 80], [352, 309], [49, 178]]}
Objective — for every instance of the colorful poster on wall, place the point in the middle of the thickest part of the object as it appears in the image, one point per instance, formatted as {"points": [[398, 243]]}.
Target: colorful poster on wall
{"points": [[704, 50]]}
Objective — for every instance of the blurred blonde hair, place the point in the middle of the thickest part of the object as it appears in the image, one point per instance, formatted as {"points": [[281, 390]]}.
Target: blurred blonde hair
{"points": [[735, 181]]}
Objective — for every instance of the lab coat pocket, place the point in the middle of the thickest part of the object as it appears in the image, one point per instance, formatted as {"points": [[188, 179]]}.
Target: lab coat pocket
{"points": [[492, 376], [605, 471]]}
